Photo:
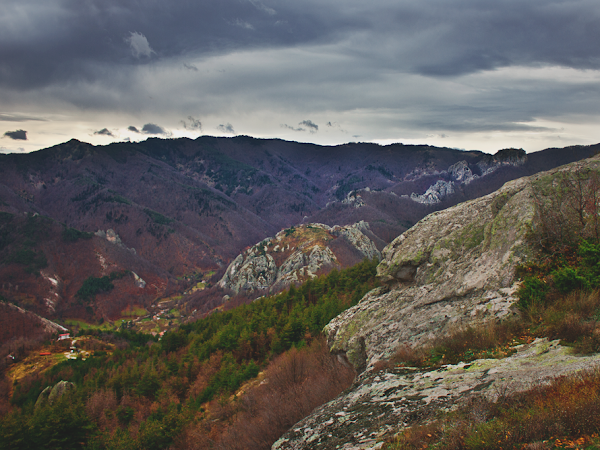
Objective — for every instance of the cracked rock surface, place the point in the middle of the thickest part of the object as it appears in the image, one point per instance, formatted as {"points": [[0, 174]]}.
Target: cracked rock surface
{"points": [[381, 403]]}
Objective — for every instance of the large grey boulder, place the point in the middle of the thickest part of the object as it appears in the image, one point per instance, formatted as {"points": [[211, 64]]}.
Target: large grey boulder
{"points": [[52, 393], [380, 403], [454, 267]]}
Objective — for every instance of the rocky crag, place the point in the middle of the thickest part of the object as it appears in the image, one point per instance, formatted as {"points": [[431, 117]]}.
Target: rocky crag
{"points": [[297, 254], [461, 173], [453, 269], [53, 393]]}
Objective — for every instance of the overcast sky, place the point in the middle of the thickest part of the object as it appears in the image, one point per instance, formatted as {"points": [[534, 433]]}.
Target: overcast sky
{"points": [[469, 74]]}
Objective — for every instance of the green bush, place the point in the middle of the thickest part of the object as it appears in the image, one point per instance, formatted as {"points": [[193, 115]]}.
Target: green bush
{"points": [[31, 259], [158, 217], [92, 286], [73, 235], [125, 414], [532, 291], [568, 279]]}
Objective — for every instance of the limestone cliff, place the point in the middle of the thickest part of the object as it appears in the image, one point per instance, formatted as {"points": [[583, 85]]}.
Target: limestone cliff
{"points": [[297, 254], [461, 173], [452, 269]]}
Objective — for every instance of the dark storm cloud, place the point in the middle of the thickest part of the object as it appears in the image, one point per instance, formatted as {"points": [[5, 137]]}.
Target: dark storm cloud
{"points": [[289, 127], [512, 107], [226, 128], [310, 124], [190, 67], [104, 132], [335, 126], [43, 43], [151, 128], [46, 42], [132, 128], [18, 135], [378, 69], [192, 124]]}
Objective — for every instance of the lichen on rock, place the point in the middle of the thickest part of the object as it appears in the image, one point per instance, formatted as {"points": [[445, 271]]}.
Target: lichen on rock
{"points": [[442, 273], [383, 402]]}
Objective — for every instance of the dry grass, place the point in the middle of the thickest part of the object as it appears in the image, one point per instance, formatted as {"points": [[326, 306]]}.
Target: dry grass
{"points": [[573, 318], [486, 340], [564, 413]]}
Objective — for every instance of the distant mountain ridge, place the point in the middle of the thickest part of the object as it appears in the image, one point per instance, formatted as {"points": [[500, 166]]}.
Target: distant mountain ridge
{"points": [[183, 207]]}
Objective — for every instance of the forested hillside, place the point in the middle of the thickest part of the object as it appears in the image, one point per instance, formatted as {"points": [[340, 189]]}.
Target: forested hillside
{"points": [[134, 391]]}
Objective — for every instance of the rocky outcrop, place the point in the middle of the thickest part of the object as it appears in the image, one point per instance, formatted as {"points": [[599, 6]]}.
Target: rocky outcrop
{"points": [[461, 173], [53, 393], [435, 193], [453, 269], [355, 199], [357, 235], [113, 238], [249, 272], [295, 255], [506, 157], [139, 282], [382, 402], [300, 266]]}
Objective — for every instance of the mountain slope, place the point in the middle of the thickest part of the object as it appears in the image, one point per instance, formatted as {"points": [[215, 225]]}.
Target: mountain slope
{"points": [[186, 208]]}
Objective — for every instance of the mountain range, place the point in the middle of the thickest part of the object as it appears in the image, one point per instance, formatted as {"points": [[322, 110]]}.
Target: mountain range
{"points": [[88, 232]]}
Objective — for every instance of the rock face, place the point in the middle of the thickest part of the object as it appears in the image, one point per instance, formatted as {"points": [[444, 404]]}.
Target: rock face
{"points": [[381, 402], [453, 269], [461, 173], [435, 193], [506, 157], [51, 394], [297, 254]]}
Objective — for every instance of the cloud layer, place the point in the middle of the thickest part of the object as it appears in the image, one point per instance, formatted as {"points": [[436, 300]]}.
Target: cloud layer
{"points": [[471, 71], [18, 135]]}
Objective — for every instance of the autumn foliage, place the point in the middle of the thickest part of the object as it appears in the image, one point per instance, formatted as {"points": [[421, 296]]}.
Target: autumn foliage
{"points": [[235, 379], [562, 414]]}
